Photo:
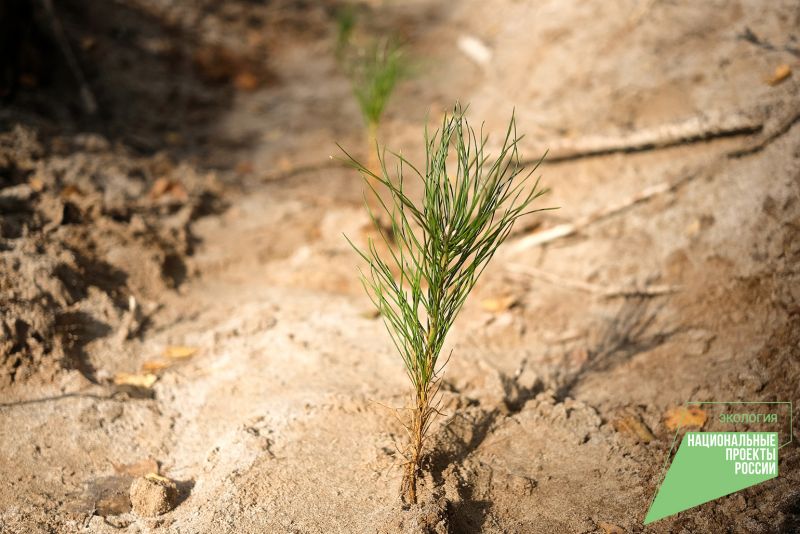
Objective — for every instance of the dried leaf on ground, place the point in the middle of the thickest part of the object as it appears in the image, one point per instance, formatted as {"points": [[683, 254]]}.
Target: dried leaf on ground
{"points": [[154, 366], [130, 379], [683, 416], [164, 186], [610, 528], [781, 73], [179, 352], [369, 314], [499, 304], [138, 469], [634, 426], [246, 81]]}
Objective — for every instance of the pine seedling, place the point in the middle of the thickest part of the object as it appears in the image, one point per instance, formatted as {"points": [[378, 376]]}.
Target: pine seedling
{"points": [[345, 24], [439, 247], [374, 68], [375, 74]]}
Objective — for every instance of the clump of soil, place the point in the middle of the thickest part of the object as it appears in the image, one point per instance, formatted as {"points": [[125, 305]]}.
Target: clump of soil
{"points": [[153, 495], [88, 231], [430, 515]]}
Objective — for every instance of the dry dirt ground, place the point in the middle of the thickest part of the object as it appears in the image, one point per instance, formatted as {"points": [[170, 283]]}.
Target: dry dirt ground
{"points": [[201, 210]]}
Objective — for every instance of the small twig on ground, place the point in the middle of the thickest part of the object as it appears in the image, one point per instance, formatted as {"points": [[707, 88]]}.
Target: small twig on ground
{"points": [[603, 291], [117, 396], [771, 131], [692, 130], [568, 229], [738, 125], [131, 321], [750, 37]]}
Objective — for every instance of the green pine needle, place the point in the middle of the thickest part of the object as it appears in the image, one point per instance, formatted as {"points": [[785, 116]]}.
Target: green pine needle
{"points": [[346, 18], [438, 247], [374, 74]]}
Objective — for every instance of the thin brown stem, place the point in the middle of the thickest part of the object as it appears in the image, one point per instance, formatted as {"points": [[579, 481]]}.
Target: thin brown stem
{"points": [[420, 419]]}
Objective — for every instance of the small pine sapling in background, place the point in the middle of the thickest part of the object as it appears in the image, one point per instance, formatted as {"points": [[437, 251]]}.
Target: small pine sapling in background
{"points": [[375, 74], [374, 70], [345, 24], [439, 246], [374, 67]]}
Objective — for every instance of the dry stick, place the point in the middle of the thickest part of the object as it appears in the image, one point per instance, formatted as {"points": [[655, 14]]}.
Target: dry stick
{"points": [[695, 129], [772, 131], [568, 229], [89, 102], [691, 130], [686, 132], [604, 291]]}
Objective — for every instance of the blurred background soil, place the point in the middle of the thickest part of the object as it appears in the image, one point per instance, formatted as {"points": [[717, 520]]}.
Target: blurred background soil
{"points": [[176, 295]]}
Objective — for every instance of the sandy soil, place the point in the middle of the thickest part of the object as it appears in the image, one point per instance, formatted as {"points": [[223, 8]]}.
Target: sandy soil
{"points": [[221, 214]]}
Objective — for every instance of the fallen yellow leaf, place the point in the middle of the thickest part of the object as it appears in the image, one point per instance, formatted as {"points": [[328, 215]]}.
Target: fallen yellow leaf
{"points": [[129, 379], [246, 81], [780, 74], [633, 425], [683, 416], [179, 352], [154, 366], [610, 528], [137, 469], [499, 304], [370, 314]]}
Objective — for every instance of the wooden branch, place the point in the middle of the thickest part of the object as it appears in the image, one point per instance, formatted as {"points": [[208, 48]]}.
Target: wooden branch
{"points": [[771, 131], [565, 230], [692, 130], [687, 131]]}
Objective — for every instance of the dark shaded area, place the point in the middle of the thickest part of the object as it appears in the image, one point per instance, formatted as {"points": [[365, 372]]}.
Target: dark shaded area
{"points": [[141, 71], [76, 330], [109, 495], [629, 333], [185, 488], [791, 515], [82, 217], [100, 274], [749, 36], [466, 432], [24, 47]]}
